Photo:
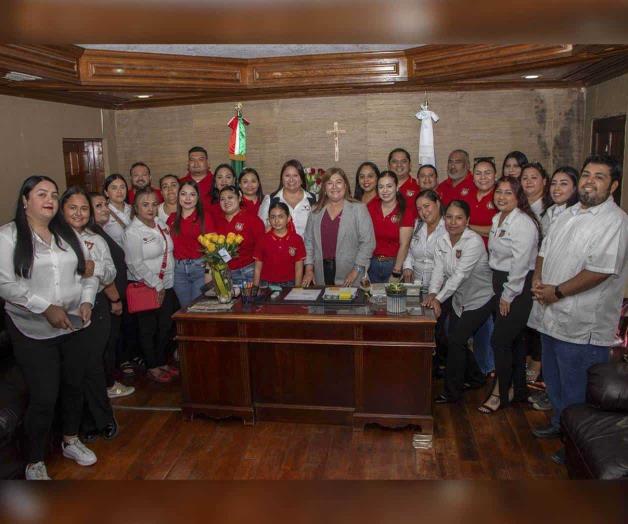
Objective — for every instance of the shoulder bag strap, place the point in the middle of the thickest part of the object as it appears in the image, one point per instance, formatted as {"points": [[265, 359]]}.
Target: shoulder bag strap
{"points": [[164, 262]]}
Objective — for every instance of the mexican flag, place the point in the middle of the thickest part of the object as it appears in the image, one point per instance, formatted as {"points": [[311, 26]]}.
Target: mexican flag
{"points": [[237, 140]]}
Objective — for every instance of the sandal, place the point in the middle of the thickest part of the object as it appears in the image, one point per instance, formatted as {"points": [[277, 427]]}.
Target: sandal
{"points": [[486, 409], [160, 377], [139, 363], [126, 368], [171, 370]]}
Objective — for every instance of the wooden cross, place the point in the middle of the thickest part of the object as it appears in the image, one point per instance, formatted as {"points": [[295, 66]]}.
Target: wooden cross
{"points": [[336, 132]]}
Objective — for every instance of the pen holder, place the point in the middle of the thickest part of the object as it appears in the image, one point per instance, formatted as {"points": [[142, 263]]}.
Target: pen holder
{"points": [[249, 292], [396, 299]]}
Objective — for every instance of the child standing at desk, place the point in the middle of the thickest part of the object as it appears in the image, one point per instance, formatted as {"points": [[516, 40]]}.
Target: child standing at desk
{"points": [[280, 253]]}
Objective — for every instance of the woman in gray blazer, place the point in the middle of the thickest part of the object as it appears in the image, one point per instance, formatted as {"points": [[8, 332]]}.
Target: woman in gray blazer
{"points": [[339, 238]]}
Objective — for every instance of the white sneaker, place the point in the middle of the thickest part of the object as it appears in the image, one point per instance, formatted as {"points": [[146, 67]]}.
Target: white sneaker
{"points": [[119, 390], [36, 471], [78, 452]]}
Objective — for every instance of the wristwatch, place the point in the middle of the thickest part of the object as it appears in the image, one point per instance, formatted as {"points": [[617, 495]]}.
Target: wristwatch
{"points": [[359, 269], [558, 293]]}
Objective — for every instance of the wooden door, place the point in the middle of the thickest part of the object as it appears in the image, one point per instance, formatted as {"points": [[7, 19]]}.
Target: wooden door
{"points": [[608, 139], [84, 164]]}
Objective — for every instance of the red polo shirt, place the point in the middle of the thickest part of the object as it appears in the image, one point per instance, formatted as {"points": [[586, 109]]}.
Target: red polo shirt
{"points": [[247, 225], [410, 189], [482, 211], [185, 242], [204, 186], [250, 206], [214, 210], [279, 255], [448, 192], [131, 195], [387, 228]]}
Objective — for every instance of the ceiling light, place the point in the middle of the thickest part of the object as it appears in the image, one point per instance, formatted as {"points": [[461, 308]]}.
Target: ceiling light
{"points": [[143, 96], [531, 77], [20, 77], [118, 70]]}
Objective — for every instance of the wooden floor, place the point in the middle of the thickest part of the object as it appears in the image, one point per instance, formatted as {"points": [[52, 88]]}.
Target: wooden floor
{"points": [[162, 444]]}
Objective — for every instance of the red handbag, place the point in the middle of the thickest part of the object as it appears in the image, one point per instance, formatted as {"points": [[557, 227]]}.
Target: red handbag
{"points": [[139, 296]]}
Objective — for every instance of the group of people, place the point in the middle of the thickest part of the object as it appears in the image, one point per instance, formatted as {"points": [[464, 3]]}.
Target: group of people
{"points": [[523, 263]]}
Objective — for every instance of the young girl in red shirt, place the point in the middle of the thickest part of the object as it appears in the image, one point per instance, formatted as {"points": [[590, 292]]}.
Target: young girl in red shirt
{"points": [[280, 253]]}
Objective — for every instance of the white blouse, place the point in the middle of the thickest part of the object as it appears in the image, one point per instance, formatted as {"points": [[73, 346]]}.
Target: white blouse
{"points": [[54, 281], [462, 271], [512, 248], [96, 249], [144, 250], [537, 208], [115, 228], [420, 257], [161, 213], [299, 213]]}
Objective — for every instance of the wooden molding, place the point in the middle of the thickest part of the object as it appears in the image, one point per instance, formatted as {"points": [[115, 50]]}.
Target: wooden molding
{"points": [[111, 79], [106, 68], [54, 62]]}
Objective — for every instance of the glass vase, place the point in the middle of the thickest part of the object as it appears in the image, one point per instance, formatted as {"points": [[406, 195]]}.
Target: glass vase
{"points": [[221, 275]]}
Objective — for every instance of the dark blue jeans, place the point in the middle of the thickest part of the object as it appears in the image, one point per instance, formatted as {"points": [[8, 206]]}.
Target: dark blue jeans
{"points": [[565, 368], [380, 270]]}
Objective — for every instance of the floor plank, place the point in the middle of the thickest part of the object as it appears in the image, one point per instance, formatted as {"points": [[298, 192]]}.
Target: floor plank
{"points": [[154, 443]]}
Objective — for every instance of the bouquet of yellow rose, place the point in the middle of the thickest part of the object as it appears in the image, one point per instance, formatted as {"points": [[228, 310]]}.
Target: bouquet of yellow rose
{"points": [[217, 251], [215, 246]]}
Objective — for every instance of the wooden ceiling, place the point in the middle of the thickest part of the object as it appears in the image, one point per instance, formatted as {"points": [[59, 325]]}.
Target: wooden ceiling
{"points": [[113, 79]]}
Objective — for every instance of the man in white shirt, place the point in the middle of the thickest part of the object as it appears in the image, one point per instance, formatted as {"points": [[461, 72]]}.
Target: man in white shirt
{"points": [[578, 285]]}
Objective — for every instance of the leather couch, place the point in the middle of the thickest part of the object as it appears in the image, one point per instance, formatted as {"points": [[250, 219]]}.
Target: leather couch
{"points": [[596, 433], [13, 398]]}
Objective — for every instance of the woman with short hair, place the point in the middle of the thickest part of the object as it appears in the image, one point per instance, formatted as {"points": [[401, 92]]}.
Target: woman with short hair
{"points": [[148, 248], [292, 191], [339, 237]]}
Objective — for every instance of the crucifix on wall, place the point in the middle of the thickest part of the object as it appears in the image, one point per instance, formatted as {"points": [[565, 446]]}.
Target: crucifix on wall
{"points": [[336, 131]]}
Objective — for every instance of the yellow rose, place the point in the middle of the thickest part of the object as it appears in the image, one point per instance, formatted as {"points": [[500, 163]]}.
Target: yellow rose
{"points": [[200, 239], [213, 237], [231, 236], [239, 239], [221, 239], [211, 247]]}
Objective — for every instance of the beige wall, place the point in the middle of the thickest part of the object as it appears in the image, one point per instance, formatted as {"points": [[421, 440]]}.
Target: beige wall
{"points": [[31, 141], [604, 100], [545, 124]]}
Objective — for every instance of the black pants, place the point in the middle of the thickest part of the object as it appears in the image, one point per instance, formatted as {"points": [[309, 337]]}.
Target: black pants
{"points": [[98, 412], [155, 330], [50, 365], [461, 364], [111, 349], [329, 271], [509, 352], [128, 344], [440, 334]]}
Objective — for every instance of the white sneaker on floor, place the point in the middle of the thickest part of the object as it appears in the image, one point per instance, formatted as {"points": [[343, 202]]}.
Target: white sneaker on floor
{"points": [[78, 452], [36, 471], [119, 390]]}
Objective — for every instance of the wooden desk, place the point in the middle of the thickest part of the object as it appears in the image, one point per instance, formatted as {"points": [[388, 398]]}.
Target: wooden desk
{"points": [[315, 365]]}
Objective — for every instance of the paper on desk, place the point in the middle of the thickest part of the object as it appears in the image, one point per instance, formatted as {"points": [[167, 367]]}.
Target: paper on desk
{"points": [[298, 293]]}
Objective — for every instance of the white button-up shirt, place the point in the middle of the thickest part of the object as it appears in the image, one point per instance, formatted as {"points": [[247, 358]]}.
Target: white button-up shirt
{"points": [[115, 228], [144, 250], [420, 257], [462, 271], [537, 208], [54, 281], [96, 249], [594, 239], [550, 216], [299, 213], [512, 248]]}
